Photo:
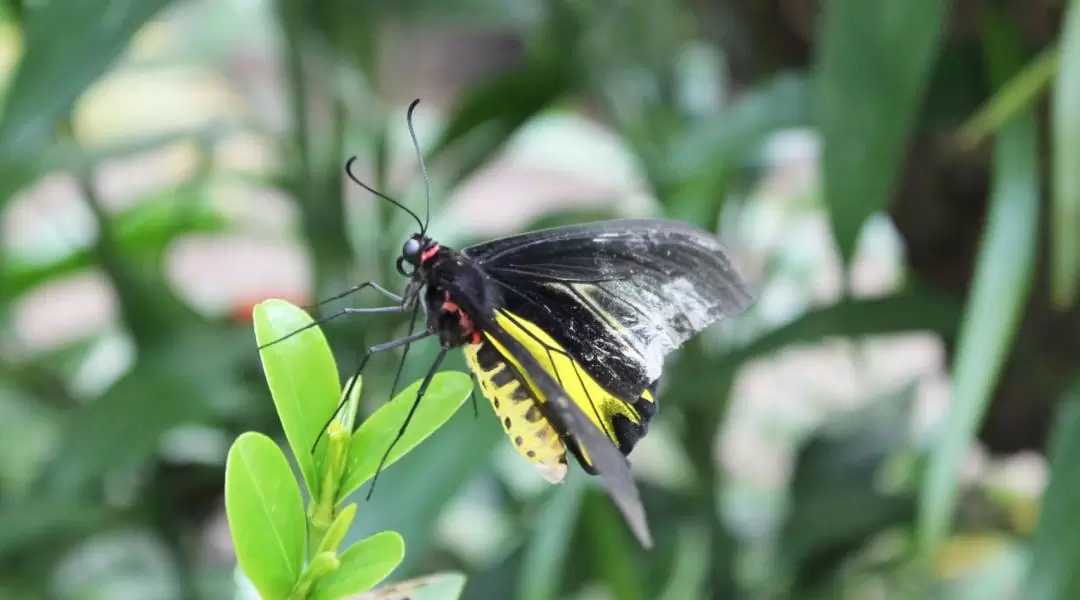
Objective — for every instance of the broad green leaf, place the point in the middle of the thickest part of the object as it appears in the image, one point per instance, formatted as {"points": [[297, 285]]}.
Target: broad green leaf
{"points": [[448, 390], [265, 513], [438, 586], [303, 380], [549, 546], [999, 292], [874, 61], [68, 45], [363, 566], [1056, 547], [1065, 178]]}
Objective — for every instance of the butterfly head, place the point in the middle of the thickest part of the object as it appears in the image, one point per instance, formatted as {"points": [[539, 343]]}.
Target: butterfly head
{"points": [[416, 252]]}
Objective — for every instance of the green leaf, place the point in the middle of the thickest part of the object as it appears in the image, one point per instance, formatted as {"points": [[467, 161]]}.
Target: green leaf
{"points": [[690, 571], [448, 390], [1065, 179], [618, 558], [912, 309], [873, 65], [491, 112], [303, 380], [411, 497], [1056, 547], [838, 502], [1000, 288], [68, 45], [363, 565], [548, 549], [438, 586], [1014, 97], [265, 513]]}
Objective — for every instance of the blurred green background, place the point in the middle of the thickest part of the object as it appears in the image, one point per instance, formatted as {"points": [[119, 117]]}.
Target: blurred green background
{"points": [[899, 181]]}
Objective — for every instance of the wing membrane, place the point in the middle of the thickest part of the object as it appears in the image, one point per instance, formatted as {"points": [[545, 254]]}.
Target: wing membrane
{"points": [[569, 419], [618, 295]]}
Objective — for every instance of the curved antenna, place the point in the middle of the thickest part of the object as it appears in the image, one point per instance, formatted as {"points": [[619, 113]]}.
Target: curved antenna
{"points": [[348, 171], [423, 167]]}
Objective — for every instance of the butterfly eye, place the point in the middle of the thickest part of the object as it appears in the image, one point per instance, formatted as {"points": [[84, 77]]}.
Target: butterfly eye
{"points": [[411, 251]]}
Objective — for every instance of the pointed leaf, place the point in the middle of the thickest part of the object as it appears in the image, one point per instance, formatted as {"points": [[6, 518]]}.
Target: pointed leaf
{"points": [[874, 62], [266, 515], [1056, 548], [1065, 137], [363, 566], [303, 380], [448, 390], [1000, 288]]}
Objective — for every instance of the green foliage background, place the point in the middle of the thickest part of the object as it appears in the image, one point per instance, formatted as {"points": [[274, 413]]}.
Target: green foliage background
{"points": [[956, 123]]}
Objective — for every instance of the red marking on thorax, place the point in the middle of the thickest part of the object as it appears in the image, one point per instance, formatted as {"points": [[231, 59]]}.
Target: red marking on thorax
{"points": [[429, 253], [449, 306]]}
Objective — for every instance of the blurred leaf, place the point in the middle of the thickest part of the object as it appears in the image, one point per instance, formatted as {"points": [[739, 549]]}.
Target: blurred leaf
{"points": [[549, 548], [363, 565], [410, 497], [490, 113], [167, 387], [124, 562], [142, 232], [1016, 96], [447, 392], [836, 496], [27, 523], [1065, 182], [616, 555], [690, 571], [912, 309], [438, 586], [873, 63], [706, 157], [999, 292], [1056, 547], [68, 45], [303, 380], [266, 515]]}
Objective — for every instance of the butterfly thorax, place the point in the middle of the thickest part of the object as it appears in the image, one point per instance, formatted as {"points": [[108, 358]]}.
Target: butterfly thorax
{"points": [[459, 298]]}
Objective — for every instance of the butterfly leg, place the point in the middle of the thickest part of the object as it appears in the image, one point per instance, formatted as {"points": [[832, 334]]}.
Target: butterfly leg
{"points": [[363, 361], [405, 424]]}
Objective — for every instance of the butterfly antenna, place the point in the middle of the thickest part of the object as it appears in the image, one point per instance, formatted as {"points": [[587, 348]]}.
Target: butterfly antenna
{"points": [[423, 167], [356, 180]]}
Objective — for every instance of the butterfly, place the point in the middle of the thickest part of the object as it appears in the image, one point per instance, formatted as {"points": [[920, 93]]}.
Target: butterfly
{"points": [[565, 330]]}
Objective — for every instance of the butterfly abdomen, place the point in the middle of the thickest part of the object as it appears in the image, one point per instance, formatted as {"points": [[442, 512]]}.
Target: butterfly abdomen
{"points": [[518, 411]]}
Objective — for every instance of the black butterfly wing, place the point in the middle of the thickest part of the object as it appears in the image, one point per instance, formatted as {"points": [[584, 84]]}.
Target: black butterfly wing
{"points": [[617, 295], [567, 417]]}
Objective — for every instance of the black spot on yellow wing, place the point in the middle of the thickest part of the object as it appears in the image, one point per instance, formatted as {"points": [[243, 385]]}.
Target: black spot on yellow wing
{"points": [[516, 406]]}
